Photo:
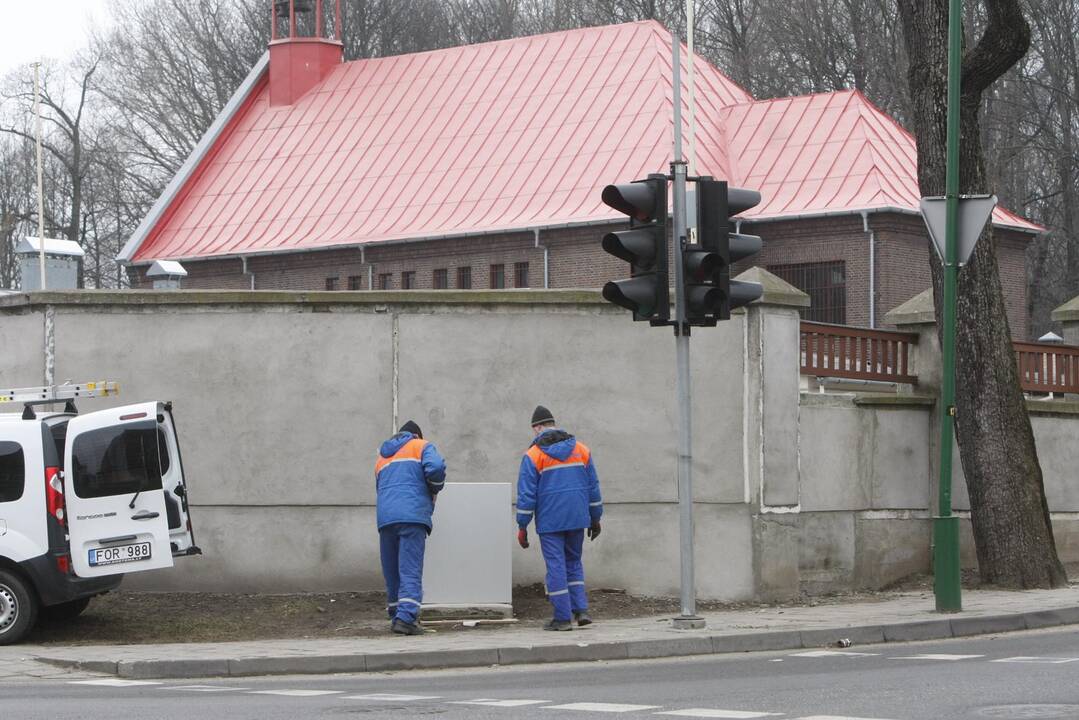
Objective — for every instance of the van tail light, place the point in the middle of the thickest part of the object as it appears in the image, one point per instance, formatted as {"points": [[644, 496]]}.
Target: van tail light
{"points": [[63, 564], [54, 495]]}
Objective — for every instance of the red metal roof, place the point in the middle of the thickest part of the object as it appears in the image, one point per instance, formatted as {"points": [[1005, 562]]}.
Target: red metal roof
{"points": [[510, 135], [825, 154]]}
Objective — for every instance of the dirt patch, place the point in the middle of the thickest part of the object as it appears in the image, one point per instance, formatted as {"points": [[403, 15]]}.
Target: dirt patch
{"points": [[133, 618]]}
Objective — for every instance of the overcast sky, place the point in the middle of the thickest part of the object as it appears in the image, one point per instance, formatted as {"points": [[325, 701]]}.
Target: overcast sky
{"points": [[45, 28]]}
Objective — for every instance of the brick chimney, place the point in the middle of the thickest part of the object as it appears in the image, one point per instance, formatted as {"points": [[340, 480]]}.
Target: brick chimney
{"points": [[303, 50]]}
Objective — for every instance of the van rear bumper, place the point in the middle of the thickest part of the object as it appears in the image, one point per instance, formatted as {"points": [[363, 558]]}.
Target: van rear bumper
{"points": [[55, 587]]}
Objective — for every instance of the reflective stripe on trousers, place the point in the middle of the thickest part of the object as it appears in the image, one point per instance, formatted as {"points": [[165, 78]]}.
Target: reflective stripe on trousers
{"points": [[402, 546]]}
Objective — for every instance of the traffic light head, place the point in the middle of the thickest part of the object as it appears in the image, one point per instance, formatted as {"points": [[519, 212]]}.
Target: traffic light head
{"points": [[643, 246], [710, 293]]}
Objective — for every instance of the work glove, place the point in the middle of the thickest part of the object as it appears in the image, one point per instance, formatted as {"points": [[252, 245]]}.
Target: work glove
{"points": [[522, 538], [593, 532]]}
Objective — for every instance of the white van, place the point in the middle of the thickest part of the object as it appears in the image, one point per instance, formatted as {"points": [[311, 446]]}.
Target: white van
{"points": [[84, 498]]}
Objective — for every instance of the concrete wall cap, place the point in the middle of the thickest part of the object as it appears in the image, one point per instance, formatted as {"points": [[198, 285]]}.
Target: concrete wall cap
{"points": [[919, 310], [776, 290], [284, 297], [1052, 407], [1068, 312]]}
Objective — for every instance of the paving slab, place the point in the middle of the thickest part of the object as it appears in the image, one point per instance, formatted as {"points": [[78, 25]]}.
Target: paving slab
{"points": [[902, 617]]}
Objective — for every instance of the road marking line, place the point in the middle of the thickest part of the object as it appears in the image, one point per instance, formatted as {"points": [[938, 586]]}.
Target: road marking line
{"points": [[391, 697], [706, 713], [1046, 660], [498, 703], [834, 717], [202, 688], [113, 682], [295, 693], [831, 653], [932, 656], [600, 707]]}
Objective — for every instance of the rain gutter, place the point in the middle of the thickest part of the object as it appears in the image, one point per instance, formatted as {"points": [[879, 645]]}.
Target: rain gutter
{"points": [[871, 237], [546, 260]]}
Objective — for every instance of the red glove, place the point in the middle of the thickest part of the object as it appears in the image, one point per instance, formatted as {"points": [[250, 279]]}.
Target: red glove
{"points": [[522, 537], [593, 532]]}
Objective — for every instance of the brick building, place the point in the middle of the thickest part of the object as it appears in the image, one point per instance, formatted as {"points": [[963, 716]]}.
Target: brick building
{"points": [[481, 167]]}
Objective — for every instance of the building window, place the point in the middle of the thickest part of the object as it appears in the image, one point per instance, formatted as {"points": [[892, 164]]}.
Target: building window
{"points": [[331, 283], [355, 282], [385, 281], [520, 274], [440, 279], [826, 285], [408, 280], [464, 278], [498, 277]]}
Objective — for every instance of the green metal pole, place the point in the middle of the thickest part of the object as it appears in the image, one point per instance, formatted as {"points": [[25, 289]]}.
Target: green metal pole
{"points": [[946, 584]]}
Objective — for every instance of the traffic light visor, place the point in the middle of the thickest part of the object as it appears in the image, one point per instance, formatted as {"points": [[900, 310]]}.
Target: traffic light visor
{"points": [[638, 200], [636, 247], [637, 294]]}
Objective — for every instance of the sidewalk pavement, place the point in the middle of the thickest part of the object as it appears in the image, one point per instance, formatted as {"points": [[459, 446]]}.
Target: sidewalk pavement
{"points": [[904, 617]]}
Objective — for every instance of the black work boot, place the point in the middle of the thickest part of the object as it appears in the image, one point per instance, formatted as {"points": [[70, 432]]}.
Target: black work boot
{"points": [[558, 625], [400, 627], [582, 618]]}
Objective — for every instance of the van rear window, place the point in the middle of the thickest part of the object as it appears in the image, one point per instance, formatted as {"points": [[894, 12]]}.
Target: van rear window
{"points": [[12, 471], [116, 461]]}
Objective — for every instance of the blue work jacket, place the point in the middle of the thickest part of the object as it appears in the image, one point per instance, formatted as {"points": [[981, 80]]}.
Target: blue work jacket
{"points": [[558, 484], [409, 473]]}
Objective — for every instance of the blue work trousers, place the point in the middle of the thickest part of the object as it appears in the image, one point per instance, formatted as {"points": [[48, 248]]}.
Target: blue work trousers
{"points": [[565, 573], [402, 546]]}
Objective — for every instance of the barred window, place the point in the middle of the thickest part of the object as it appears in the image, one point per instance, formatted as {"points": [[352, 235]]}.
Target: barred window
{"points": [[440, 279], [464, 278], [331, 283], [498, 277], [408, 280], [520, 274], [826, 285], [355, 282], [385, 281]]}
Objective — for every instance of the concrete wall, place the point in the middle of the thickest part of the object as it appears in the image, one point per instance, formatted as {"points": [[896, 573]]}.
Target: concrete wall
{"points": [[282, 399]]}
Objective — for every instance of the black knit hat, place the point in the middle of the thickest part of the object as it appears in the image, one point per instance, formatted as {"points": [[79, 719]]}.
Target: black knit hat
{"points": [[541, 415], [413, 428]]}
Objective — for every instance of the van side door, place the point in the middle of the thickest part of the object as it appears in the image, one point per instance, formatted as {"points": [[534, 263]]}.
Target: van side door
{"points": [[117, 516]]}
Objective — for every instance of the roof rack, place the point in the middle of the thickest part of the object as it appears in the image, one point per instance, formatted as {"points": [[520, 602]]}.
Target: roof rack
{"points": [[48, 394]]}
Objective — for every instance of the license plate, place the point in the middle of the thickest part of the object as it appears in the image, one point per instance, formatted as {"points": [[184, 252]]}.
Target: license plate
{"points": [[119, 554]]}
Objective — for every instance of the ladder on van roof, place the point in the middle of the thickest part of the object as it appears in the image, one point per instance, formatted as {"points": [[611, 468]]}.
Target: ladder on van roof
{"points": [[66, 393]]}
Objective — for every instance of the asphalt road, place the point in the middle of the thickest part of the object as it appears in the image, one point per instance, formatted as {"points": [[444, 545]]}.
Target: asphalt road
{"points": [[1016, 675]]}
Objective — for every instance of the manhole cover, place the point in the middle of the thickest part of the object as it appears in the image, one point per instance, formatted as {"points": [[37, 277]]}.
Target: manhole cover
{"points": [[1031, 711]]}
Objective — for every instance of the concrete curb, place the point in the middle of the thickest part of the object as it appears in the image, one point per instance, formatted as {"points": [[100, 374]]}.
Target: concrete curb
{"points": [[690, 644]]}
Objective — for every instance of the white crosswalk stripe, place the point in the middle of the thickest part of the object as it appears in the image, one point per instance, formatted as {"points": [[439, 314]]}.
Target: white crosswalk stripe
{"points": [[937, 656], [498, 703], [203, 688], [601, 707], [296, 693], [835, 717], [831, 653], [391, 697], [708, 713], [114, 682], [1037, 660]]}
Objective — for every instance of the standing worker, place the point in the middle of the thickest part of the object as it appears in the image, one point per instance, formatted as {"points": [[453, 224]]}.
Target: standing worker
{"points": [[409, 474], [558, 484]]}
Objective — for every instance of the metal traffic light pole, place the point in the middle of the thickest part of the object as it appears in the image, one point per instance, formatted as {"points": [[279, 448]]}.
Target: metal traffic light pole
{"points": [[946, 582], [688, 619]]}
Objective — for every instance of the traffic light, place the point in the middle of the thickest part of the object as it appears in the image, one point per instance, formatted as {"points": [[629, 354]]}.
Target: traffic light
{"points": [[710, 293], [643, 246]]}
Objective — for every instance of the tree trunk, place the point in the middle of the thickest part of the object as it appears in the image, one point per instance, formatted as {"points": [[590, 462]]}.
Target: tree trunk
{"points": [[1013, 535]]}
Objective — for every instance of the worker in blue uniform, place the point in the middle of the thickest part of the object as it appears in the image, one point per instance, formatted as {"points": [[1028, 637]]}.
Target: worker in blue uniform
{"points": [[409, 474], [559, 487]]}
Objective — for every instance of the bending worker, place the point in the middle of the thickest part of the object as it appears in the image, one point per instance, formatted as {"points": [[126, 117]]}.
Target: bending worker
{"points": [[558, 484], [409, 474]]}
